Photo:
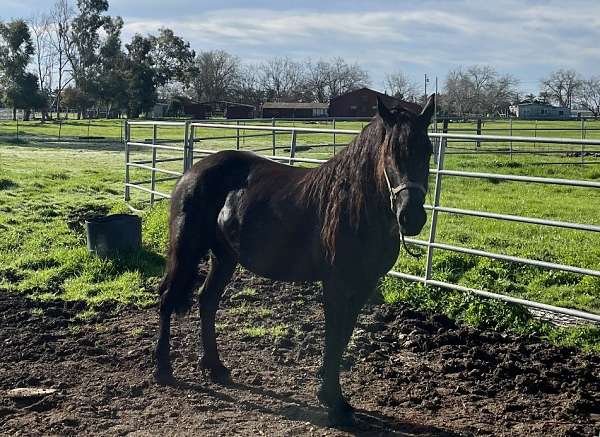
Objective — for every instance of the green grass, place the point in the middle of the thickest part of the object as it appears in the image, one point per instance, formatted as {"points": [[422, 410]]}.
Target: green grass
{"points": [[260, 331], [46, 191], [47, 194]]}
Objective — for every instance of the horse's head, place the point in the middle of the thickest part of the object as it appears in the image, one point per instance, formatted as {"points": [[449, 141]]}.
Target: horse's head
{"points": [[407, 150]]}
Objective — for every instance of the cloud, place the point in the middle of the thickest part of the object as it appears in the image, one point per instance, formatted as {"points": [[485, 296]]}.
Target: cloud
{"points": [[528, 38]]}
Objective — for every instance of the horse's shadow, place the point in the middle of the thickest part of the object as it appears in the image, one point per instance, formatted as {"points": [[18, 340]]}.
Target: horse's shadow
{"points": [[368, 423]]}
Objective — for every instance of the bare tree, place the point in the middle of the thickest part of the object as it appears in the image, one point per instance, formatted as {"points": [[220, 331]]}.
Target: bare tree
{"points": [[247, 87], [316, 78], [215, 75], [458, 93], [562, 86], [344, 77], [61, 16], [589, 95], [479, 90], [324, 80], [280, 78], [45, 54], [401, 86]]}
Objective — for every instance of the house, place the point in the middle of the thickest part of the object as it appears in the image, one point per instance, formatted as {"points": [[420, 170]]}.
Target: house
{"points": [[294, 110], [539, 110], [363, 103]]}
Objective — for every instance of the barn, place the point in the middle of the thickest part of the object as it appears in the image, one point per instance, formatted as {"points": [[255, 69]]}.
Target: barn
{"points": [[540, 111], [239, 110], [363, 103], [294, 110], [198, 111]]}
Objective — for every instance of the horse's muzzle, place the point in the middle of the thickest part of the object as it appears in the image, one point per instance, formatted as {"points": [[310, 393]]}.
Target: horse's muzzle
{"points": [[411, 220]]}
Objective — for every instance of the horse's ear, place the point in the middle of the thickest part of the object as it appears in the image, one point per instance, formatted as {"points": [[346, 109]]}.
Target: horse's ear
{"points": [[384, 113], [427, 112]]}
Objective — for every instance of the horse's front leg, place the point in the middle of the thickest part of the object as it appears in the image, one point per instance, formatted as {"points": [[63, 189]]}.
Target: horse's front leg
{"points": [[342, 304]]}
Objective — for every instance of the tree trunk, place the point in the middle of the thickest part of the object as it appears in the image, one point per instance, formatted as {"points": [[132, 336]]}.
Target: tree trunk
{"points": [[14, 114], [26, 114]]}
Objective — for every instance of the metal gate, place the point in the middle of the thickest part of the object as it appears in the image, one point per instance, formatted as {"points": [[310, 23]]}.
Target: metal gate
{"points": [[189, 152]]}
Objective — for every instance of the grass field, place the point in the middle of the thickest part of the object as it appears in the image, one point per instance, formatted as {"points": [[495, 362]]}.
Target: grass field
{"points": [[47, 189]]}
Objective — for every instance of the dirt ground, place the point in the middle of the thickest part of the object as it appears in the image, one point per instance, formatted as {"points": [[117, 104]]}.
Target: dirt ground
{"points": [[407, 373]]}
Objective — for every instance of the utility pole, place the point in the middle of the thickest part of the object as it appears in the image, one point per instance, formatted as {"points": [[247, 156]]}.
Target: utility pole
{"points": [[426, 81]]}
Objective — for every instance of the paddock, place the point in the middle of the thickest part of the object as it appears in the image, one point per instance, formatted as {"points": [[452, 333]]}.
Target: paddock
{"points": [[199, 139]]}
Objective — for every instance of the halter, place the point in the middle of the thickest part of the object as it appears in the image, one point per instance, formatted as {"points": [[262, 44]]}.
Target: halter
{"points": [[395, 190], [393, 193]]}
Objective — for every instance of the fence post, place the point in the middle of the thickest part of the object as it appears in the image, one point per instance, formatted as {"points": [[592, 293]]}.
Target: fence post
{"points": [[153, 171], [273, 131], [127, 139], [186, 147], [582, 137], [510, 144], [17, 128], [191, 141], [334, 137], [292, 148], [478, 144], [237, 136], [434, 211], [88, 129]]}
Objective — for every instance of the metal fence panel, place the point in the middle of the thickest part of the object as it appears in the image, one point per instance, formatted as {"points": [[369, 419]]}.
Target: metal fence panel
{"points": [[189, 151]]}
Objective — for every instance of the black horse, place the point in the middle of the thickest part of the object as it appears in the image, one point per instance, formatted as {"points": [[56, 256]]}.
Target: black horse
{"points": [[339, 223]]}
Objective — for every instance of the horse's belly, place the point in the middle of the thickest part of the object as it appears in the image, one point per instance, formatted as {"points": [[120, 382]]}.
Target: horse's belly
{"points": [[271, 257], [268, 245]]}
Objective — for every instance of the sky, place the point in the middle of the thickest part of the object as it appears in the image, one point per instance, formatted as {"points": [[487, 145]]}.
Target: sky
{"points": [[526, 38]]}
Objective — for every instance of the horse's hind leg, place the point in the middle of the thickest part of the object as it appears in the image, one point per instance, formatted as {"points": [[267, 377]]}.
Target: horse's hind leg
{"points": [[222, 266], [176, 289]]}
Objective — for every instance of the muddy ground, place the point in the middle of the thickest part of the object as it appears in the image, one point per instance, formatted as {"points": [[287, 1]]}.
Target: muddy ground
{"points": [[407, 373]]}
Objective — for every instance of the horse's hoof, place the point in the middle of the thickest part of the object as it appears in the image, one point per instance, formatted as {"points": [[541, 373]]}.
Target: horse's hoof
{"points": [[164, 377], [324, 398], [218, 374], [341, 415]]}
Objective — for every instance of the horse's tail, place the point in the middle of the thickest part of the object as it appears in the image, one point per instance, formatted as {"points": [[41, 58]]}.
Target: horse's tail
{"points": [[181, 277], [195, 205]]}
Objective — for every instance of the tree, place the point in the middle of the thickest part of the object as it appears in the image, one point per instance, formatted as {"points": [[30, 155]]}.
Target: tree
{"points": [[215, 75], [45, 56], [247, 86], [61, 14], [140, 75], [111, 85], [172, 57], [589, 95], [479, 90], [343, 77], [21, 89], [280, 79], [84, 43], [401, 86], [562, 87], [325, 80]]}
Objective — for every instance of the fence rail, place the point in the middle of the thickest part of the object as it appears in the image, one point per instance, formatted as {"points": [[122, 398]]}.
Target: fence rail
{"points": [[189, 153]]}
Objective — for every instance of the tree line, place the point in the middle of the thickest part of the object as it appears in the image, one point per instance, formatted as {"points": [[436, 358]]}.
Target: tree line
{"points": [[73, 57]]}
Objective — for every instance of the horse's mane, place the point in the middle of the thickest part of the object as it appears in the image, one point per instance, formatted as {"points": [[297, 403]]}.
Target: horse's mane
{"points": [[350, 183]]}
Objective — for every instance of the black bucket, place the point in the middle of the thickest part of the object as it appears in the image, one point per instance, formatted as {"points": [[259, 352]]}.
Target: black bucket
{"points": [[113, 234]]}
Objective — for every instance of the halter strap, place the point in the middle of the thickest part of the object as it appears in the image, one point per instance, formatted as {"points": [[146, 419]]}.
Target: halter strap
{"points": [[404, 186]]}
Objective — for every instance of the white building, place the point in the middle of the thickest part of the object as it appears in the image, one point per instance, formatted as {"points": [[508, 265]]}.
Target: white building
{"points": [[539, 111]]}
